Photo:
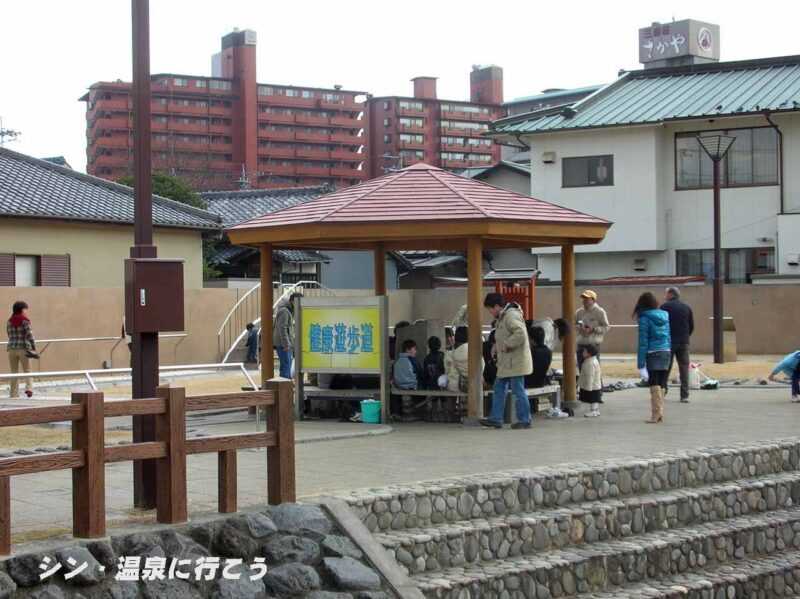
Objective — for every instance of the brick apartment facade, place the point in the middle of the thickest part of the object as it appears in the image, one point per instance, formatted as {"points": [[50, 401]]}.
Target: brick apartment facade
{"points": [[443, 133], [208, 129]]}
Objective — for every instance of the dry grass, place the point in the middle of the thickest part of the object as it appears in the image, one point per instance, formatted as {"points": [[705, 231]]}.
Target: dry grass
{"points": [[36, 436]]}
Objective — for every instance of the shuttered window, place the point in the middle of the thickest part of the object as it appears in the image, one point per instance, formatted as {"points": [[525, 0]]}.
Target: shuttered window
{"points": [[6, 270], [53, 270]]}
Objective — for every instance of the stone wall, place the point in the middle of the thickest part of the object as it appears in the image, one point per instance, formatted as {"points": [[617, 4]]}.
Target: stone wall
{"points": [[304, 553]]}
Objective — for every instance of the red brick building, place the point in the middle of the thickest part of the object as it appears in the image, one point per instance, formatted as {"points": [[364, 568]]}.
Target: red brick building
{"points": [[402, 131], [208, 129]]}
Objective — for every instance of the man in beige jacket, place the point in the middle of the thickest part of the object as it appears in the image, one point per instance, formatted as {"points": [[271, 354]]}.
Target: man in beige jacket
{"points": [[591, 323], [514, 361]]}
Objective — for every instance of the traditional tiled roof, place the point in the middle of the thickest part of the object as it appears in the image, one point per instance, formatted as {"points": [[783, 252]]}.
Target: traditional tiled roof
{"points": [[422, 193], [653, 96], [33, 188], [239, 206], [235, 253]]}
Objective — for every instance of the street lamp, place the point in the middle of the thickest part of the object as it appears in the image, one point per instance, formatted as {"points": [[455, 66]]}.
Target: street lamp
{"points": [[716, 146]]}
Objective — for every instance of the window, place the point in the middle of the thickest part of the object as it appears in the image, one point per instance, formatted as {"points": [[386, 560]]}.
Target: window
{"points": [[387, 138], [34, 271], [752, 159], [159, 100], [585, 171], [178, 82], [180, 102], [218, 84], [411, 122], [265, 90], [307, 93], [387, 105], [201, 83], [387, 122], [412, 154], [408, 138], [406, 105], [291, 93], [331, 98], [738, 264]]}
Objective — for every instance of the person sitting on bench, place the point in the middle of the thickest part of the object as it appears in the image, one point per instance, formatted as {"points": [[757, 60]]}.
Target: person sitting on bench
{"points": [[542, 358]]}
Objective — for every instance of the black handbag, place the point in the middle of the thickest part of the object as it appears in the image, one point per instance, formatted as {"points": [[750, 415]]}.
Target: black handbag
{"points": [[32, 353]]}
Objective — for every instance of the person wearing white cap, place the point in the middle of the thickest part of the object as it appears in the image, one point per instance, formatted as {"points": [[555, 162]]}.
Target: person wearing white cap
{"points": [[591, 324]]}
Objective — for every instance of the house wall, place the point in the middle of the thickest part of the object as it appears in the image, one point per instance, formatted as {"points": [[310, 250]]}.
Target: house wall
{"points": [[651, 218], [506, 178], [97, 251]]}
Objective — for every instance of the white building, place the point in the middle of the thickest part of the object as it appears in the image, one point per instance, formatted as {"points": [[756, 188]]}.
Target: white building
{"points": [[629, 153]]}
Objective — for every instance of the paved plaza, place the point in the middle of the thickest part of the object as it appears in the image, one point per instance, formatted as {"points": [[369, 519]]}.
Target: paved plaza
{"points": [[330, 459]]}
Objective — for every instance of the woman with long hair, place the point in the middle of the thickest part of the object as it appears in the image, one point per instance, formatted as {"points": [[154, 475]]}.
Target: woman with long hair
{"points": [[654, 350]]}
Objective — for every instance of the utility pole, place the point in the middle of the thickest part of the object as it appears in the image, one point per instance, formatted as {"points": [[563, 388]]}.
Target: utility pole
{"points": [[144, 355]]}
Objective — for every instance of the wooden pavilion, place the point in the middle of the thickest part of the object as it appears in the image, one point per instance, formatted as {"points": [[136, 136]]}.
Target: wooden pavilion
{"points": [[427, 208]]}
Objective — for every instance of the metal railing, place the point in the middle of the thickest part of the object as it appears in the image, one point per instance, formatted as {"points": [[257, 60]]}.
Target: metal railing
{"points": [[248, 309], [43, 344], [91, 374]]}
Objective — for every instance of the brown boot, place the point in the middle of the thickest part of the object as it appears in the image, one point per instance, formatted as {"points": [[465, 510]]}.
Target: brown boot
{"points": [[656, 405]]}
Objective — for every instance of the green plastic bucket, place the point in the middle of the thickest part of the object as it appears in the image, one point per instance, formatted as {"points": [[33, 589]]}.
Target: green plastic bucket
{"points": [[370, 411]]}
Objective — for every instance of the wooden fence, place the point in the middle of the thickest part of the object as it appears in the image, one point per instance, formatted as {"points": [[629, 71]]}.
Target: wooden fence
{"points": [[89, 454]]}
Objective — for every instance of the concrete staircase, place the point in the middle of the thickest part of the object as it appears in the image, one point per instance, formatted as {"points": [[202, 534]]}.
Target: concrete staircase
{"points": [[709, 523]]}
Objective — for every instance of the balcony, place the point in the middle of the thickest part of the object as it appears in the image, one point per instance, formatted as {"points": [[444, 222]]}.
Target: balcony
{"points": [[281, 152], [115, 123], [349, 173], [111, 160], [305, 136], [219, 128], [112, 141], [275, 117], [345, 155], [318, 154], [189, 127], [282, 135], [453, 147], [345, 138], [115, 104], [411, 129], [346, 121], [412, 111], [220, 110], [311, 120], [279, 169], [412, 145], [465, 116], [315, 171]]}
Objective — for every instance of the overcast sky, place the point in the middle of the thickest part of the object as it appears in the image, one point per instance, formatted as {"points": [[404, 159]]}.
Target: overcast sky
{"points": [[51, 50]]}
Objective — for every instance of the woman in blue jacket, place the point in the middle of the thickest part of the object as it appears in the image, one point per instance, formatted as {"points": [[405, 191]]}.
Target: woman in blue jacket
{"points": [[654, 350]]}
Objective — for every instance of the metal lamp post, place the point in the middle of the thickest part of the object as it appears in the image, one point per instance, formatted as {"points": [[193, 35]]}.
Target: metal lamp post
{"points": [[716, 146]]}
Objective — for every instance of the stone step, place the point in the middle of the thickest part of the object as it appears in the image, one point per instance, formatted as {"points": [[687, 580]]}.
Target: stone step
{"points": [[496, 538], [452, 500], [757, 577], [598, 566]]}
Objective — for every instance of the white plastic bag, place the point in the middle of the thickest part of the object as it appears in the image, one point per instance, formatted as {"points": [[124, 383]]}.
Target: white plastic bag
{"points": [[694, 376], [442, 381], [645, 375]]}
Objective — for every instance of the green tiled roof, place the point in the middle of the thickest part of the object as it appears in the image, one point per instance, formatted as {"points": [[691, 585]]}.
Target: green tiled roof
{"points": [[676, 93]]}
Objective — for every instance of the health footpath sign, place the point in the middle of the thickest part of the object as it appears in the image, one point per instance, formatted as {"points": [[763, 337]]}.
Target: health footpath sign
{"points": [[341, 338]]}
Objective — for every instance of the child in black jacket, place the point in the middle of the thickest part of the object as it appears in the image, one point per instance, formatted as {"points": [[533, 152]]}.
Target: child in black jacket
{"points": [[433, 367]]}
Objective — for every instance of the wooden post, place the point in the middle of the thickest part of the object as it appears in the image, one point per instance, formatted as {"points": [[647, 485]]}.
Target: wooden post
{"points": [[568, 345], [5, 515], [380, 269], [532, 298], [171, 470], [475, 322], [267, 299], [281, 484], [227, 484], [89, 481]]}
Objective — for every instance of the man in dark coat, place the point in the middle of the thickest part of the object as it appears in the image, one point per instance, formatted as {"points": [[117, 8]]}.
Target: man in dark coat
{"points": [[681, 326]]}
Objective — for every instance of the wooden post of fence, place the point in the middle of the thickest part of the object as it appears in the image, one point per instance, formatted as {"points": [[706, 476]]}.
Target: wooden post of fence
{"points": [[281, 487], [5, 515], [171, 469], [227, 484], [89, 481]]}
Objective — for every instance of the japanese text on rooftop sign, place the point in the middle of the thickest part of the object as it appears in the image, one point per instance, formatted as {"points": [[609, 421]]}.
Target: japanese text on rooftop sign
{"points": [[341, 338]]}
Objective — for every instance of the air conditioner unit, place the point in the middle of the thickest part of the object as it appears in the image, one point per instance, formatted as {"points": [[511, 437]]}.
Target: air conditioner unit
{"points": [[549, 157], [793, 259], [640, 264]]}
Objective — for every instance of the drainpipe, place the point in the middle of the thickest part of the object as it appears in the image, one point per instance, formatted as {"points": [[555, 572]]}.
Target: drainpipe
{"points": [[768, 116]]}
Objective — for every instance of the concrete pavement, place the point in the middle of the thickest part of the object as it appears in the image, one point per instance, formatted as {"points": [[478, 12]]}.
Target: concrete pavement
{"points": [[423, 451]]}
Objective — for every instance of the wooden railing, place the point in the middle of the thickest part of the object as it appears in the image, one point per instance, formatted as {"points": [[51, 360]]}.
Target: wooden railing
{"points": [[89, 454]]}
